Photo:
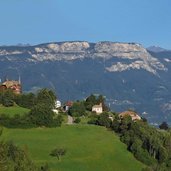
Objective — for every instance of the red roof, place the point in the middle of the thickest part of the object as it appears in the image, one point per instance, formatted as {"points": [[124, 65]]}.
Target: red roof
{"points": [[69, 103]]}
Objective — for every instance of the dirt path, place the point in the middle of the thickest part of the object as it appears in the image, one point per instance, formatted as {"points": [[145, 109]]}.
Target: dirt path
{"points": [[70, 120]]}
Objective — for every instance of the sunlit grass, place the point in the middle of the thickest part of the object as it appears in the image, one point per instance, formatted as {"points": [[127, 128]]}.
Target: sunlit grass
{"points": [[88, 148]]}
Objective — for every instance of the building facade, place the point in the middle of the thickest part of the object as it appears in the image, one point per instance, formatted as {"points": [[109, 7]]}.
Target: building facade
{"points": [[97, 108], [134, 116], [15, 86]]}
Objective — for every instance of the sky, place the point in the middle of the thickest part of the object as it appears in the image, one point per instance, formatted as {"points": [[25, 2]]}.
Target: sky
{"points": [[40, 21]]}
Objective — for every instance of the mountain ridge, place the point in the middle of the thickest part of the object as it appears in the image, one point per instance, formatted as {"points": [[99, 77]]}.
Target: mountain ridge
{"points": [[82, 49], [128, 75], [157, 49]]}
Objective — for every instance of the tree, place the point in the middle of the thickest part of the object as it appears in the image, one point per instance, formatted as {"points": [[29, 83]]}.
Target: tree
{"points": [[78, 109], [94, 100], [26, 100], [41, 115], [90, 101], [14, 158], [101, 99], [46, 97], [164, 126], [115, 124], [148, 145], [125, 123], [104, 120], [162, 154], [8, 98], [58, 152]]}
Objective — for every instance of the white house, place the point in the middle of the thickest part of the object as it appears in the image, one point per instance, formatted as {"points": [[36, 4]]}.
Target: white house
{"points": [[57, 104], [97, 108]]}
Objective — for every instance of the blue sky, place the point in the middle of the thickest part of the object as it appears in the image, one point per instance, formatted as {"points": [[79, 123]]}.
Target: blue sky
{"points": [[38, 21]]}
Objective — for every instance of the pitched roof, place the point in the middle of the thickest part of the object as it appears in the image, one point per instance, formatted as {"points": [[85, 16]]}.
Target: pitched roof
{"points": [[69, 103], [133, 115], [98, 106], [11, 83]]}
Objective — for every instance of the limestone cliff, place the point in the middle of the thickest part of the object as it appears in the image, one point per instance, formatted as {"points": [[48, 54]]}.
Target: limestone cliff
{"points": [[138, 57]]}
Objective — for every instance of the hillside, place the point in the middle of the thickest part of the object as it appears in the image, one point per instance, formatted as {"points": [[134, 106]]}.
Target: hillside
{"points": [[88, 148], [13, 110], [126, 73]]}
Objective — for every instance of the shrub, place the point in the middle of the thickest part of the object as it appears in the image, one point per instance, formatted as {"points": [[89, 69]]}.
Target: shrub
{"points": [[77, 120]]}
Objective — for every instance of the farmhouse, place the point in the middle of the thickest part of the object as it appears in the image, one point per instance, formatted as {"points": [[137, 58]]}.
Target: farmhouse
{"points": [[67, 106], [15, 86], [97, 108], [132, 114]]}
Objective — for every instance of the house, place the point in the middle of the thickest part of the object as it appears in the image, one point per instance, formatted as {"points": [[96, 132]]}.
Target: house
{"points": [[57, 104], [111, 117], [97, 108], [67, 105], [134, 116], [15, 86]]}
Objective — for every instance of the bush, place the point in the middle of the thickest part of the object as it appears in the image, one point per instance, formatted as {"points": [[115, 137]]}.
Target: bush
{"points": [[104, 120], [14, 158], [77, 120], [93, 119], [78, 109], [164, 126], [16, 122], [7, 98]]}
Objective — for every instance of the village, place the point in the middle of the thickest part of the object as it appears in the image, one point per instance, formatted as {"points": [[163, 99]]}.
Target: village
{"points": [[76, 125], [97, 106]]}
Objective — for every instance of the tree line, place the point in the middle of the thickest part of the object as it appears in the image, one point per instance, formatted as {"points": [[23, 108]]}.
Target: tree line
{"points": [[40, 105], [150, 145]]}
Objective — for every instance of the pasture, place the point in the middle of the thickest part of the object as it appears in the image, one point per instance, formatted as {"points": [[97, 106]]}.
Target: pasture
{"points": [[89, 148]]}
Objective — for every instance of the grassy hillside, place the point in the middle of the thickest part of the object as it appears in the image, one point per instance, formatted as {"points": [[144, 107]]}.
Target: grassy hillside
{"points": [[11, 111], [89, 148]]}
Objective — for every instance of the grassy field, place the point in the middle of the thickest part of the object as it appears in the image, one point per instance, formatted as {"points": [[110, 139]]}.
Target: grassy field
{"points": [[84, 120], [11, 111], [89, 148]]}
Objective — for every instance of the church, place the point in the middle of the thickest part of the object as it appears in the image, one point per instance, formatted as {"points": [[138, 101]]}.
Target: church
{"points": [[14, 85]]}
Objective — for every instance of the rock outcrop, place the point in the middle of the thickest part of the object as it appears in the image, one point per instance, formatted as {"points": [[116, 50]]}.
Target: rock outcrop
{"points": [[139, 57]]}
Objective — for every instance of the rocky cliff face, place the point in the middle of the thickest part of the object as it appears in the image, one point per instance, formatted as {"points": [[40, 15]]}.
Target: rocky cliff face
{"points": [[138, 56]]}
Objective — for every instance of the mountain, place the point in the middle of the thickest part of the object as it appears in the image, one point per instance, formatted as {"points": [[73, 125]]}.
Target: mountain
{"points": [[129, 75], [156, 49]]}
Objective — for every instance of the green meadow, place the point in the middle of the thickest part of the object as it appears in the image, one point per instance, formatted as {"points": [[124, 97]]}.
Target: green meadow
{"points": [[89, 148], [13, 110]]}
